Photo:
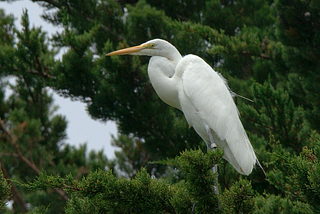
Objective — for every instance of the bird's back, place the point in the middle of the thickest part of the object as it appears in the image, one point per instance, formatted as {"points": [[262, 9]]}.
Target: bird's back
{"points": [[207, 102]]}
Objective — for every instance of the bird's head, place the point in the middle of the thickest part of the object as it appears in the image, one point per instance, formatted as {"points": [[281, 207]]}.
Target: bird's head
{"points": [[149, 48], [155, 47]]}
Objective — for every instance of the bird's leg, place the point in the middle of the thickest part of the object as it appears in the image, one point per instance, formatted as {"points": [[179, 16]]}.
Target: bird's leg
{"points": [[215, 170], [213, 147]]}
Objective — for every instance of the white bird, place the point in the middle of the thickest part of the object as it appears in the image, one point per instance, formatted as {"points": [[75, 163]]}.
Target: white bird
{"points": [[188, 83]]}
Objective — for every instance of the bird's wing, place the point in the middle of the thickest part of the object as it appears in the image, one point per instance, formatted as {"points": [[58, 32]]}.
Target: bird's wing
{"points": [[214, 104]]}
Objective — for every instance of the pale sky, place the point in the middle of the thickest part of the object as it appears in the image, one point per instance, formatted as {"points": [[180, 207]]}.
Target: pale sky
{"points": [[81, 128]]}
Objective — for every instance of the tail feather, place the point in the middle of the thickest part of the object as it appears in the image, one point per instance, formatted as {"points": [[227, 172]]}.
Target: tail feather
{"points": [[258, 163]]}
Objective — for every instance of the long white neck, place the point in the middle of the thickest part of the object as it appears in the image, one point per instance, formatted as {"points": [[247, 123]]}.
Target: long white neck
{"points": [[160, 71]]}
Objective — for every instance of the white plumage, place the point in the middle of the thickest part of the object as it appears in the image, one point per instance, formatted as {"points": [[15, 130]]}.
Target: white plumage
{"points": [[191, 85]]}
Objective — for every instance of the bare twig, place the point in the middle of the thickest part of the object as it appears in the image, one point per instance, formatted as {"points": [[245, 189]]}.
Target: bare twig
{"points": [[13, 140]]}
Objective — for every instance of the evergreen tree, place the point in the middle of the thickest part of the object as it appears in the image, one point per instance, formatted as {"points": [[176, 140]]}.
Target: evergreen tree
{"points": [[267, 50], [32, 136]]}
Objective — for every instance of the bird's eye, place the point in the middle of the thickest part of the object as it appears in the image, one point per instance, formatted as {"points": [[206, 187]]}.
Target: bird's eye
{"points": [[152, 45]]}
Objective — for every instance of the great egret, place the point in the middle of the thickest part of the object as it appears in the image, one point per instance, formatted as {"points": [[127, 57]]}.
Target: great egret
{"points": [[188, 83]]}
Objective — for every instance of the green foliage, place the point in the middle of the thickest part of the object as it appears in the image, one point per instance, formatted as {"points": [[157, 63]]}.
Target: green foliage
{"points": [[103, 192], [296, 29], [132, 155], [5, 191], [306, 168], [199, 179], [243, 13], [274, 113], [6, 32], [297, 176], [268, 51], [31, 134], [239, 198], [276, 204]]}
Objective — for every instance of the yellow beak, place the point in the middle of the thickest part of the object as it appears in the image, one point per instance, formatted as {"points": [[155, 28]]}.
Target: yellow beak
{"points": [[125, 51]]}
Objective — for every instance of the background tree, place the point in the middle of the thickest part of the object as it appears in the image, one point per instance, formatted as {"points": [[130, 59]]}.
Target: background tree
{"points": [[267, 50], [32, 136]]}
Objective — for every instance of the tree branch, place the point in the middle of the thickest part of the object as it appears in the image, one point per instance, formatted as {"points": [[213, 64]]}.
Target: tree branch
{"points": [[62, 193], [262, 55], [6, 154], [43, 74], [14, 140]]}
